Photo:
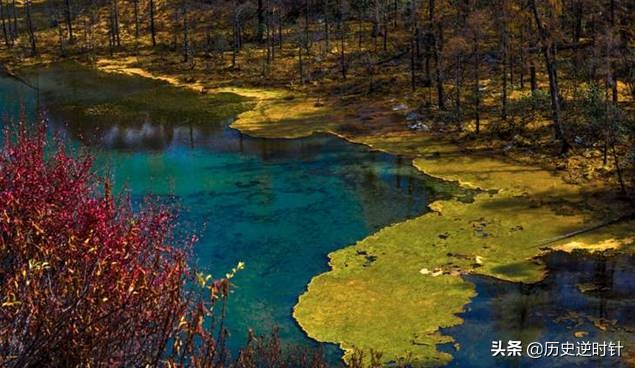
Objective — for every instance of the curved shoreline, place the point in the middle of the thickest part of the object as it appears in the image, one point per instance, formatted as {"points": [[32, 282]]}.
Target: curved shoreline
{"points": [[331, 308], [525, 266]]}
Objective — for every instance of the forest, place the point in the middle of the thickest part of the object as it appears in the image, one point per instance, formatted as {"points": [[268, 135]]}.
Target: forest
{"points": [[465, 63]]}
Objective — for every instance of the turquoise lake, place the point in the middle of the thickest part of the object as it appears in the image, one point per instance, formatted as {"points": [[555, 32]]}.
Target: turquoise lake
{"points": [[280, 206]]}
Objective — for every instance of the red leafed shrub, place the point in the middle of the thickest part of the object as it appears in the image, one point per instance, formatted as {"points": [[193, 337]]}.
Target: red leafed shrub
{"points": [[84, 280]]}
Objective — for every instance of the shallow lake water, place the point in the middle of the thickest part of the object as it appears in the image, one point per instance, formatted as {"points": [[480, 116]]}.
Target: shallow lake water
{"points": [[281, 206], [584, 298]]}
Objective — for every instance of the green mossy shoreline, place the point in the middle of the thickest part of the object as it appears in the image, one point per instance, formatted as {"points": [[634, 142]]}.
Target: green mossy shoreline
{"points": [[413, 286], [397, 303], [90, 94]]}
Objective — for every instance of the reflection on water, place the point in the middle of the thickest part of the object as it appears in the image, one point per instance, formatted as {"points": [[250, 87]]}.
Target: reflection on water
{"points": [[584, 298], [282, 205], [278, 205]]}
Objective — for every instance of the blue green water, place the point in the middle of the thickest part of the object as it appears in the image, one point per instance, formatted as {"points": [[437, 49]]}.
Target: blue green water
{"points": [[593, 296], [280, 206]]}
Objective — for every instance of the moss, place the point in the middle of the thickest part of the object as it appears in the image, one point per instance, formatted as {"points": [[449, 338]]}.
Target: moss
{"points": [[72, 88], [392, 291], [293, 117], [389, 304]]}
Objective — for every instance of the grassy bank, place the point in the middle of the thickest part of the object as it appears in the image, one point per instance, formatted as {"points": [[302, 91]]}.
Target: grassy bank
{"points": [[394, 290], [412, 286]]}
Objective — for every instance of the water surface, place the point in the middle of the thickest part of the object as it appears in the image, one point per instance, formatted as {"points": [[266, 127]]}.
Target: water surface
{"points": [[278, 205], [584, 298], [281, 205]]}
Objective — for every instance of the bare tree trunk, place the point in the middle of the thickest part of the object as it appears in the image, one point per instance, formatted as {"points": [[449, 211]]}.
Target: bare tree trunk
{"points": [[548, 49], [306, 24], [438, 47], [375, 19], [504, 88], [385, 30], [618, 168], [271, 32], [504, 46], [613, 76], [267, 36], [301, 64], [395, 12], [175, 27], [477, 86], [89, 26], [280, 29], [413, 73], [152, 27], [608, 129], [360, 34], [260, 12], [239, 30], [136, 22], [511, 65], [29, 27], [111, 34], [14, 12], [115, 18], [5, 31], [68, 16], [235, 35], [458, 84], [522, 58], [413, 35], [60, 34], [327, 25], [340, 26], [186, 33], [429, 43]]}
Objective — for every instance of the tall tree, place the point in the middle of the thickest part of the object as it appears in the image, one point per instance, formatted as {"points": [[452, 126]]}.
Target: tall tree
{"points": [[29, 27], [14, 13], [413, 40], [476, 24], [151, 6], [261, 21], [504, 55], [342, 34], [68, 15], [115, 23], [548, 48], [455, 51], [437, 33], [135, 4], [5, 31], [327, 34], [186, 31]]}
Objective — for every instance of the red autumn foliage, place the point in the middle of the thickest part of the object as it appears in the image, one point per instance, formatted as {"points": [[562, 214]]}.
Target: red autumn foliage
{"points": [[84, 280]]}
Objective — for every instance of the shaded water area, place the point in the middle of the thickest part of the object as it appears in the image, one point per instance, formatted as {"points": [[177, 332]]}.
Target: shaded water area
{"points": [[278, 205], [584, 298]]}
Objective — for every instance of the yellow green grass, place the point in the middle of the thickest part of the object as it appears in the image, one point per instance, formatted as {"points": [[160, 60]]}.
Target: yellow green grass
{"points": [[397, 303], [394, 290]]}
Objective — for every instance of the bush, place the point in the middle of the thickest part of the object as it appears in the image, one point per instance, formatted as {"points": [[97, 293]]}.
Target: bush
{"points": [[87, 281], [83, 279]]}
